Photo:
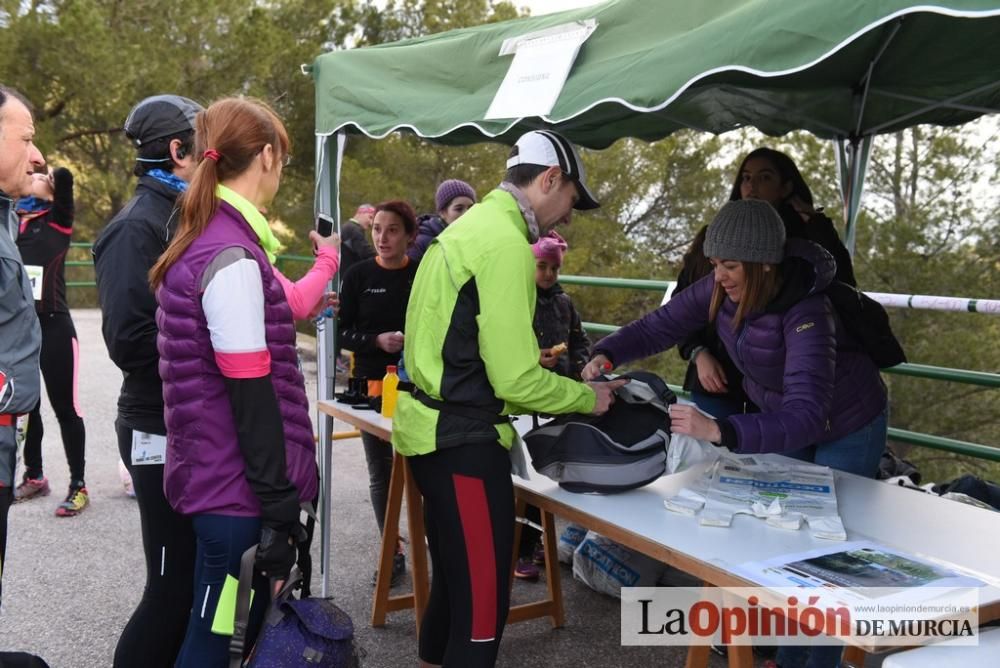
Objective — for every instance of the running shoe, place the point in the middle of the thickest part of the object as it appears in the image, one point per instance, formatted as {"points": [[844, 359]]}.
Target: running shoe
{"points": [[526, 570], [538, 555], [31, 488], [75, 502]]}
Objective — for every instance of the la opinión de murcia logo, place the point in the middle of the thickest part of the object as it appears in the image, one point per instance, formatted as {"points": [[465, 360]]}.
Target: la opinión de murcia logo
{"points": [[693, 616]]}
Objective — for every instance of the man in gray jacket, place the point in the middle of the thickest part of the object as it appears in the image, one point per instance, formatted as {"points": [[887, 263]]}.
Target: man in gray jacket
{"points": [[20, 334]]}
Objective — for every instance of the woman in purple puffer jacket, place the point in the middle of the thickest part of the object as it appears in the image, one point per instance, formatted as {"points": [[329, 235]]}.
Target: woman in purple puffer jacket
{"points": [[240, 453], [819, 400]]}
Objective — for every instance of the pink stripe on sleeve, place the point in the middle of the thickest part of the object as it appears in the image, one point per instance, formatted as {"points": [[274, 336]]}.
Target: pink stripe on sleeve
{"points": [[255, 364], [306, 294]]}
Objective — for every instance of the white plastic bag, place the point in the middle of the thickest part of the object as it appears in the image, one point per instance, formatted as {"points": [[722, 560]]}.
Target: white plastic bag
{"points": [[569, 540], [685, 452], [606, 567]]}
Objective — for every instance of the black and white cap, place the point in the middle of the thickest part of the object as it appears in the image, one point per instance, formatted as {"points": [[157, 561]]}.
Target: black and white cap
{"points": [[160, 116], [550, 149]]}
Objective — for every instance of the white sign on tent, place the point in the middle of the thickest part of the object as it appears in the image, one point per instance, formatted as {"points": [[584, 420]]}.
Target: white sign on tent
{"points": [[542, 62]]}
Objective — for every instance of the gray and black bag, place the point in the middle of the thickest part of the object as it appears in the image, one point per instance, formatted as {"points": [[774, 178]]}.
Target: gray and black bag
{"points": [[621, 450]]}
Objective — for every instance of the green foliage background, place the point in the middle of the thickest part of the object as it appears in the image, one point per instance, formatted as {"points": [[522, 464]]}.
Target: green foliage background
{"points": [[929, 226]]}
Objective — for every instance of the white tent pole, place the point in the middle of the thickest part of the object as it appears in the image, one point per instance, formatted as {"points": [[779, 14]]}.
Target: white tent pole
{"points": [[327, 200]]}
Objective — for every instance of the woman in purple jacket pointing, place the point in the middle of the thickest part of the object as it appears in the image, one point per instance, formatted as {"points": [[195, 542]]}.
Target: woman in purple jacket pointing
{"points": [[819, 401]]}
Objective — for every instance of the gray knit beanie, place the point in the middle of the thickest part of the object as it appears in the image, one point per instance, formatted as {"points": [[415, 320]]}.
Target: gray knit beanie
{"points": [[748, 230]]}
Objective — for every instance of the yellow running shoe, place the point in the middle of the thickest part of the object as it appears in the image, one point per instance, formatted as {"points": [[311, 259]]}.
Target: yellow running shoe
{"points": [[75, 502]]}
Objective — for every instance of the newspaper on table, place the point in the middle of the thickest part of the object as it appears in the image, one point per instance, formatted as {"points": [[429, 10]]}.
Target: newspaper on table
{"points": [[865, 570], [783, 494]]}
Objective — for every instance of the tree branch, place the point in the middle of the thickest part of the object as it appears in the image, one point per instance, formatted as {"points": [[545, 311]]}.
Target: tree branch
{"points": [[84, 133]]}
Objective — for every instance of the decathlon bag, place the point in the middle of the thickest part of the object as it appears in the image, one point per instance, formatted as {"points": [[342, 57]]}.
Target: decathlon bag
{"points": [[623, 449], [606, 567], [569, 540], [296, 632]]}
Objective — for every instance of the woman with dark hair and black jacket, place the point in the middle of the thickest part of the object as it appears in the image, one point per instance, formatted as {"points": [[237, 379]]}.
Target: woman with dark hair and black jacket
{"points": [[373, 299], [713, 379]]}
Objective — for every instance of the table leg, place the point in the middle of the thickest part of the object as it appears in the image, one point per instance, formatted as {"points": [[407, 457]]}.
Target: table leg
{"points": [[740, 656], [697, 656], [553, 574], [390, 536], [418, 543], [853, 656], [519, 507], [552, 605]]}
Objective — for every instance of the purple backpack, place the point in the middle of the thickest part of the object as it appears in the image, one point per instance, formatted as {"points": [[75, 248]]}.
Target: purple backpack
{"points": [[296, 632]]}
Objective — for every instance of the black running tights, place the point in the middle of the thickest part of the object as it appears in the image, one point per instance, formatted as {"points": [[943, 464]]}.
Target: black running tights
{"points": [[60, 363], [469, 516], [154, 633]]}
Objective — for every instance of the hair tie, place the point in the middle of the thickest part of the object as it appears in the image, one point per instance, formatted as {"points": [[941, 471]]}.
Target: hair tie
{"points": [[212, 154]]}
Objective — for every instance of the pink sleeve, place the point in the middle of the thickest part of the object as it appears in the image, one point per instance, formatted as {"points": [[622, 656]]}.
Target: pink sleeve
{"points": [[306, 294]]}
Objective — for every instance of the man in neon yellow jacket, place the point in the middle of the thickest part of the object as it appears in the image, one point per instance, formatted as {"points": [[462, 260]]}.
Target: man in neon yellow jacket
{"points": [[473, 358]]}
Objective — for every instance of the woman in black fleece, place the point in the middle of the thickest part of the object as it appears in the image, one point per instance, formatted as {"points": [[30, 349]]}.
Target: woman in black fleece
{"points": [[373, 298]]}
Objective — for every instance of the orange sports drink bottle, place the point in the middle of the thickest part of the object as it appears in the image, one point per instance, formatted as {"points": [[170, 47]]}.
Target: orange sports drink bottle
{"points": [[390, 389]]}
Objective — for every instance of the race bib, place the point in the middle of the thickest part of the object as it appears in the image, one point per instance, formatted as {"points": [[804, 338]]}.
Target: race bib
{"points": [[35, 276], [148, 448]]}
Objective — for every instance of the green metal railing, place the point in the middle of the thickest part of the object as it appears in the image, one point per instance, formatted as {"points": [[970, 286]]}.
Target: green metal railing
{"points": [[926, 371]]}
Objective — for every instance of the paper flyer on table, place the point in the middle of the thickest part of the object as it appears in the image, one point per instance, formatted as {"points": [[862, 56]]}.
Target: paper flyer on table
{"points": [[859, 570]]}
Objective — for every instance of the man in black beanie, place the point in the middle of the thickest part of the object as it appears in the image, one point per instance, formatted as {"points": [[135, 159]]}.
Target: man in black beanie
{"points": [[161, 128]]}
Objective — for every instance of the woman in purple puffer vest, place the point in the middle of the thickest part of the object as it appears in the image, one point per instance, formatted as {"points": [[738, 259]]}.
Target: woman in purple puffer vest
{"points": [[819, 400], [240, 451]]}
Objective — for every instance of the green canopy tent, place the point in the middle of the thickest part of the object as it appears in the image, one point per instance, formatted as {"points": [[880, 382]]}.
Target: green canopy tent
{"points": [[845, 71]]}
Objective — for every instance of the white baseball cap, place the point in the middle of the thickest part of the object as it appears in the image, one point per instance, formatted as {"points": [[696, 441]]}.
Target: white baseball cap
{"points": [[550, 149]]}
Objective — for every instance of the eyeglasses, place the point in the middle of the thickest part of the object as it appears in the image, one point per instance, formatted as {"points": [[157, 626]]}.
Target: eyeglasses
{"points": [[287, 160]]}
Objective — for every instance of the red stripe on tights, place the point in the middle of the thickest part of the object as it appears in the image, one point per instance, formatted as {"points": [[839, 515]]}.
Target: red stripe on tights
{"points": [[470, 494]]}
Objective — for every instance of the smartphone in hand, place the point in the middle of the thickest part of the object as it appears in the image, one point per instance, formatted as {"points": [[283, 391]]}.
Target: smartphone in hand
{"points": [[324, 227], [324, 224]]}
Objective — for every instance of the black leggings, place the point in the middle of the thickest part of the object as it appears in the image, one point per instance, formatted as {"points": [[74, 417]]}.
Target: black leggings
{"points": [[469, 515], [378, 454], [154, 634], [59, 361]]}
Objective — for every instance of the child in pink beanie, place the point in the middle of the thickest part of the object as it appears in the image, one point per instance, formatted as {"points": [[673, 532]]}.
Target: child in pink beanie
{"points": [[563, 342], [565, 350]]}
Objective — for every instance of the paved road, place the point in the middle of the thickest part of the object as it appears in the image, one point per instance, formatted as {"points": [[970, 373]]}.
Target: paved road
{"points": [[71, 583]]}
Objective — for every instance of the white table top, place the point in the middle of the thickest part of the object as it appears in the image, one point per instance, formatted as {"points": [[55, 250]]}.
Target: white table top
{"points": [[909, 521]]}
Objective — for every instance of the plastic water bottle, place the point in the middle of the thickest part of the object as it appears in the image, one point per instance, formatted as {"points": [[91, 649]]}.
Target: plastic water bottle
{"points": [[401, 371], [390, 389]]}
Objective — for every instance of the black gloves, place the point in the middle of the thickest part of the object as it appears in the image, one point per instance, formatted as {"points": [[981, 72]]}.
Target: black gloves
{"points": [[276, 552]]}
